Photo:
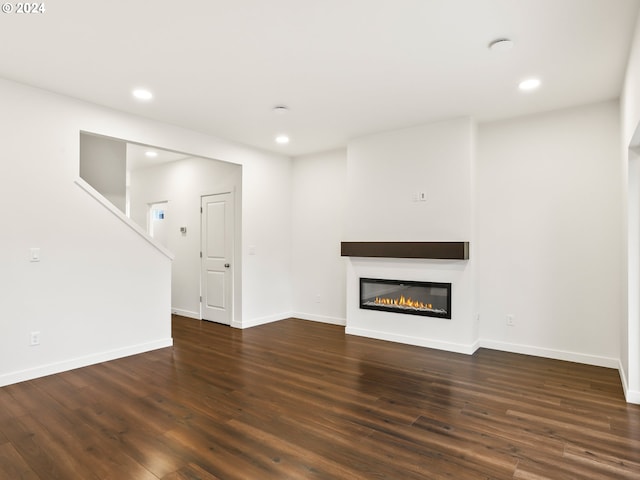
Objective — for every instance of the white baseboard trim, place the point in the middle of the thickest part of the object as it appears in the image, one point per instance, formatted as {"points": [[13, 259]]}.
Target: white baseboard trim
{"points": [[631, 396], [186, 313], [550, 353], [420, 342], [65, 365], [475, 346], [320, 318], [254, 322]]}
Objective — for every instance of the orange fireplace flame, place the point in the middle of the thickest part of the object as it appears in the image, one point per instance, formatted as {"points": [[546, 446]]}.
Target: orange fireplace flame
{"points": [[402, 302]]}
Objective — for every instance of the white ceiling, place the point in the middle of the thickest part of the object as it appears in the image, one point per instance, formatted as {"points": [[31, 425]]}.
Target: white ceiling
{"points": [[137, 157], [346, 68]]}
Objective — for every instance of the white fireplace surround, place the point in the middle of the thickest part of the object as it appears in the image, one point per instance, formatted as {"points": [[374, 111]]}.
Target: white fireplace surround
{"points": [[459, 334]]}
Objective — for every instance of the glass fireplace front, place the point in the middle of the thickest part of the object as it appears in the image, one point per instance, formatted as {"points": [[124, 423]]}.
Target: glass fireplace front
{"points": [[428, 299]]}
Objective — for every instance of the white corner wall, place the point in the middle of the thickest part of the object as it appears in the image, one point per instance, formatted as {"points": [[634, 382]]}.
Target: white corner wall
{"points": [[630, 188], [266, 239], [549, 229], [100, 291], [182, 184], [318, 199]]}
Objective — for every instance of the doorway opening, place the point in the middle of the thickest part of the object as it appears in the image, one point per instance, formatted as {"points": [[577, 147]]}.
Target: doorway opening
{"points": [[157, 222]]}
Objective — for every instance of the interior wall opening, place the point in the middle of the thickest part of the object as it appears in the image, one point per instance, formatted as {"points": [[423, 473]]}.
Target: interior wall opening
{"points": [[160, 190]]}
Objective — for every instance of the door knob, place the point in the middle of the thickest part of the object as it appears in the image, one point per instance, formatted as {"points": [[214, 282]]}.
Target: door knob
{"points": [[226, 265]]}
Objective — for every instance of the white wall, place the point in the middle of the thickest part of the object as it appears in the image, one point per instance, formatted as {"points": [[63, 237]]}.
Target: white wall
{"points": [[266, 240], [181, 184], [103, 164], [318, 199], [100, 291], [630, 187], [630, 331], [549, 234], [384, 172], [630, 97]]}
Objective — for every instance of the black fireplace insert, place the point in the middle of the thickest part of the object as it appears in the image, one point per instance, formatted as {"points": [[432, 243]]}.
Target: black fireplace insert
{"points": [[429, 299]]}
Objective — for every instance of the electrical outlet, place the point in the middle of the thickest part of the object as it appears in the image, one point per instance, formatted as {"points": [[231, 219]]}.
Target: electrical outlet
{"points": [[511, 320], [318, 298], [34, 339]]}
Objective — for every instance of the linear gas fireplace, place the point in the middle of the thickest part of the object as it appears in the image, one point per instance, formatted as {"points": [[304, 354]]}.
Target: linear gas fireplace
{"points": [[429, 299]]}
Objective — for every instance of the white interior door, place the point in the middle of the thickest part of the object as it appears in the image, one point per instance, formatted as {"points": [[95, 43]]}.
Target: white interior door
{"points": [[216, 283]]}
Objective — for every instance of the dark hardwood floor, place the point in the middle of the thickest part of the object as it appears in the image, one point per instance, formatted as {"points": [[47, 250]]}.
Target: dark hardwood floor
{"points": [[300, 400]]}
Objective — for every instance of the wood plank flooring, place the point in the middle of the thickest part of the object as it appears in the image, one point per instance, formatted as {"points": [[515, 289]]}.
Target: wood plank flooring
{"points": [[301, 400]]}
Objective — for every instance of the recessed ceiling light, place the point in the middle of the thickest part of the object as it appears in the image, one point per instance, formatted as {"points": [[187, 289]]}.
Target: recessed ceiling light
{"points": [[529, 84], [151, 154], [501, 45], [142, 94], [280, 109], [282, 139]]}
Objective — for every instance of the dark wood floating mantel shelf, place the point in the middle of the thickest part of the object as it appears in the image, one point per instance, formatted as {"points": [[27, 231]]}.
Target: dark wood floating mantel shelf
{"points": [[431, 250]]}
